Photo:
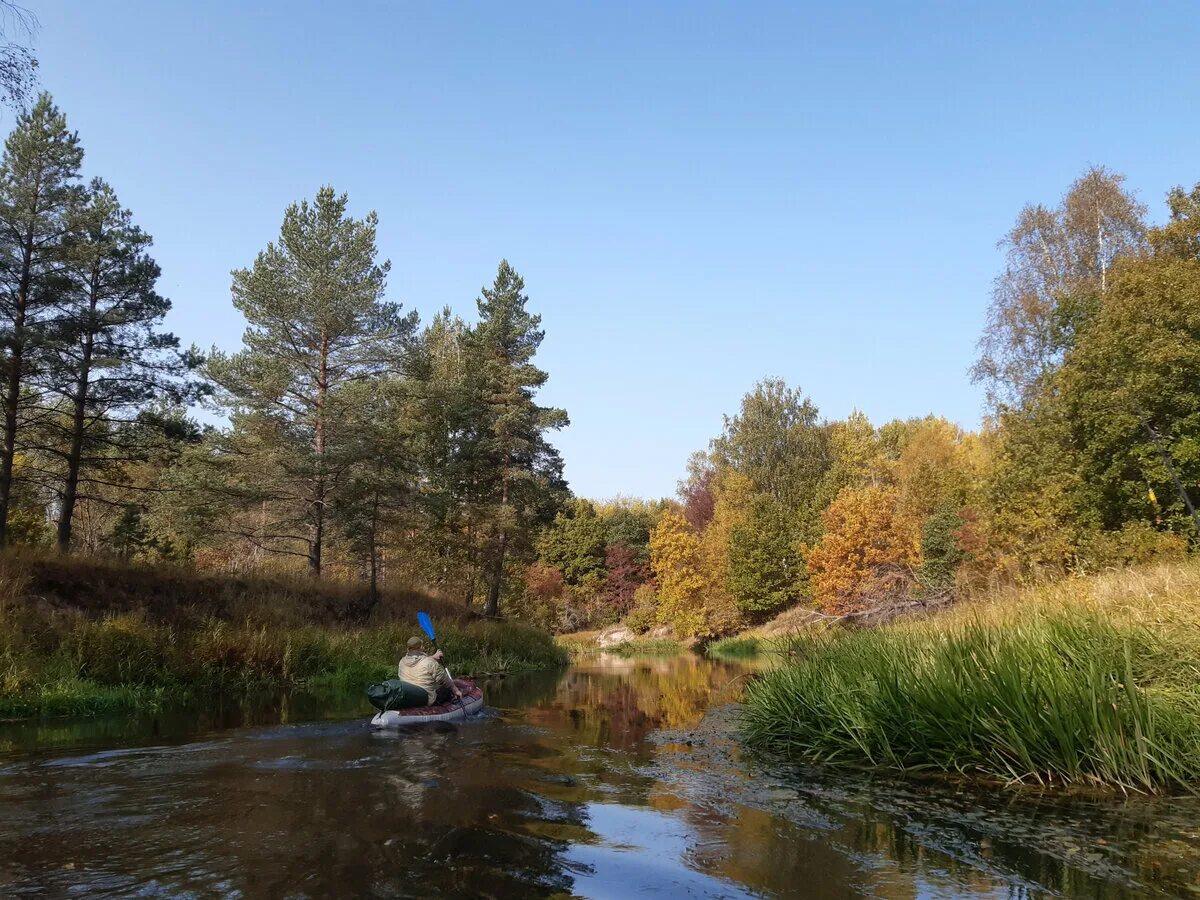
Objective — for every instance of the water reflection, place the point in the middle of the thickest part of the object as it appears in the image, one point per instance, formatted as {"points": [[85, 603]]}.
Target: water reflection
{"points": [[606, 780]]}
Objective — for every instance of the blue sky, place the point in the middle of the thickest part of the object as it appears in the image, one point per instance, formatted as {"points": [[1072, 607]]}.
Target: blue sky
{"points": [[699, 195]]}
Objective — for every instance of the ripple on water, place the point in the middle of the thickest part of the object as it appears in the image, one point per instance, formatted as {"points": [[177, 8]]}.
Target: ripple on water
{"points": [[604, 782]]}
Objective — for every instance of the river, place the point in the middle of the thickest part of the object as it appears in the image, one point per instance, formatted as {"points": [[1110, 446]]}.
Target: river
{"points": [[616, 778]]}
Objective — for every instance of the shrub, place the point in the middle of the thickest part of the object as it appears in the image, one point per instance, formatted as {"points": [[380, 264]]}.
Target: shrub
{"points": [[644, 614], [941, 551], [1134, 544]]}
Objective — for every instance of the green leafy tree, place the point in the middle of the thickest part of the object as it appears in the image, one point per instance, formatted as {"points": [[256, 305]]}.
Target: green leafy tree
{"points": [[941, 553], [318, 324], [629, 523], [575, 543], [765, 570], [855, 457], [1130, 390], [778, 443], [1058, 262]]}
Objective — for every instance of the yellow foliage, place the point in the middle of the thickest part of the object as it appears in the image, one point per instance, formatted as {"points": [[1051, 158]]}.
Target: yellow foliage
{"points": [[732, 492], [675, 559], [689, 598], [940, 465], [868, 540]]}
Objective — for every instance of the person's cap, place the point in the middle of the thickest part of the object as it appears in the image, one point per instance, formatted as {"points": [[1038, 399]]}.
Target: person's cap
{"points": [[415, 643]]}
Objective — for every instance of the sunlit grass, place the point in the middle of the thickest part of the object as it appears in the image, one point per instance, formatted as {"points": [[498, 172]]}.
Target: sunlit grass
{"points": [[1089, 681], [583, 644], [736, 647], [64, 660]]}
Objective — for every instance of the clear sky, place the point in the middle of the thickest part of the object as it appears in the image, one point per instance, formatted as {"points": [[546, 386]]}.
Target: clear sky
{"points": [[698, 195]]}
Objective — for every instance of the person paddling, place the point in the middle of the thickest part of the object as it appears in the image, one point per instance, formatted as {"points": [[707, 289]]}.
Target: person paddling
{"points": [[427, 673]]}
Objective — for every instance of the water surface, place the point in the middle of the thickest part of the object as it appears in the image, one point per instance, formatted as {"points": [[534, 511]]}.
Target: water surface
{"points": [[616, 778]]}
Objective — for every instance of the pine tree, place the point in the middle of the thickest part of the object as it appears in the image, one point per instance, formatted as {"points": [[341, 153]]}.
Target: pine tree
{"points": [[524, 469], [39, 192], [105, 359], [449, 433], [379, 484], [318, 323]]}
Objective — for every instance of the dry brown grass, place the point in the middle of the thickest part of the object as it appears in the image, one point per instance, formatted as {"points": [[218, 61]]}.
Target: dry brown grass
{"points": [[176, 595], [1164, 597]]}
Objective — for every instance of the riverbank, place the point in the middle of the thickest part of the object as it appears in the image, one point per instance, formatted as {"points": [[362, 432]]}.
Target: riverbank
{"points": [[82, 637], [582, 644], [1090, 681]]}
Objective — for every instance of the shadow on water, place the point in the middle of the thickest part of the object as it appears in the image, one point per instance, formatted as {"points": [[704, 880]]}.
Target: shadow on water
{"points": [[605, 780]]}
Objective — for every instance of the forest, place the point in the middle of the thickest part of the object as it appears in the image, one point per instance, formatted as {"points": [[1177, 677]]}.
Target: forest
{"points": [[347, 440], [1088, 459]]}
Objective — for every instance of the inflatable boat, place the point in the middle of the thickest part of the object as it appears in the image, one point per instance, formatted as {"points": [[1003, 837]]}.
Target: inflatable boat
{"points": [[454, 711]]}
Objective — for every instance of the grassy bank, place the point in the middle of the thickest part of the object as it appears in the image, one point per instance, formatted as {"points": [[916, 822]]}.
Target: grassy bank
{"points": [[583, 643], [737, 647], [82, 637], [1089, 682]]}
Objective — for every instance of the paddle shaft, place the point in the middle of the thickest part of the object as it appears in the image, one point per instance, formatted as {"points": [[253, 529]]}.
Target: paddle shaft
{"points": [[461, 701], [426, 624]]}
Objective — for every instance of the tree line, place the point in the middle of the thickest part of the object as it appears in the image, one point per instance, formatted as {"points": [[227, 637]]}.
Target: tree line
{"points": [[1089, 456], [357, 443]]}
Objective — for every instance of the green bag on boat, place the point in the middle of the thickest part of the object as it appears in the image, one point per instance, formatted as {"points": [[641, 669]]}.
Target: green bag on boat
{"points": [[396, 694]]}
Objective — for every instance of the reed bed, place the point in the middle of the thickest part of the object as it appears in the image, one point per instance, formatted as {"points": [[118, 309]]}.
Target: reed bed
{"points": [[1092, 681]]}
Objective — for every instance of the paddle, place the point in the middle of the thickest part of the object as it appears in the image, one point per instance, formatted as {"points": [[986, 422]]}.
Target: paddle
{"points": [[426, 624]]}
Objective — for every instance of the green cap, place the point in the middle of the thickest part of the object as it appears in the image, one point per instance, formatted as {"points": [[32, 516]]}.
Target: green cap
{"points": [[415, 643]]}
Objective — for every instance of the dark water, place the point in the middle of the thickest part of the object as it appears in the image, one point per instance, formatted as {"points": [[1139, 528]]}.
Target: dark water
{"points": [[607, 780]]}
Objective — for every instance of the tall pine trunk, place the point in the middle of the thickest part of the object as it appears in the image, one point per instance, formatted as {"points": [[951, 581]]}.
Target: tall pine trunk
{"points": [[469, 590], [373, 536], [78, 420], [317, 526], [75, 454], [496, 581], [12, 391]]}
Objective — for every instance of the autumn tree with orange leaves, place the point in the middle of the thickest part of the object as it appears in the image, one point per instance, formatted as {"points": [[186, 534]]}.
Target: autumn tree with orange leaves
{"points": [[869, 549]]}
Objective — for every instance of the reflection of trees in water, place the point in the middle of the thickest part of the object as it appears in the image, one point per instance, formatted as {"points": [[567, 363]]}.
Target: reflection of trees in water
{"points": [[492, 808], [615, 702], [771, 855], [426, 817]]}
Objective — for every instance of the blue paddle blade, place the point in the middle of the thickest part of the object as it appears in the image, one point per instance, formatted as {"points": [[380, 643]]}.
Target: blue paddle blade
{"points": [[426, 625]]}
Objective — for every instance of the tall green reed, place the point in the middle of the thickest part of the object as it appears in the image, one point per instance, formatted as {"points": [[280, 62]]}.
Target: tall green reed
{"points": [[1061, 698]]}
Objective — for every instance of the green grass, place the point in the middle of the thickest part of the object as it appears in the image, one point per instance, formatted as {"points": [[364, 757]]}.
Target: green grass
{"points": [[736, 647], [647, 647], [1054, 693]]}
